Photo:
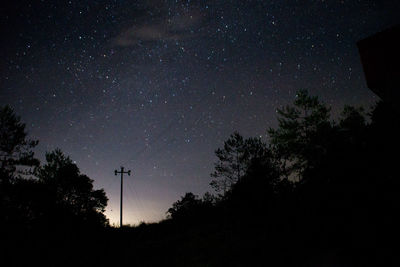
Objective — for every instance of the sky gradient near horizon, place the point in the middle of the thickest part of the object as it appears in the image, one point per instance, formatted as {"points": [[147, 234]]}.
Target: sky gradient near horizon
{"points": [[156, 86]]}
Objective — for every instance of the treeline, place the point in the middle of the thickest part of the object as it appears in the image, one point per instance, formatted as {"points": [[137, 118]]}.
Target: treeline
{"points": [[316, 183], [42, 196], [318, 191], [50, 213]]}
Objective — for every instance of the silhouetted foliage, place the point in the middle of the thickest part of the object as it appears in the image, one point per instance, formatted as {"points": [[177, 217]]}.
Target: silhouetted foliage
{"points": [[16, 159], [191, 207], [319, 183], [322, 191], [302, 131], [72, 190], [258, 186], [188, 203], [59, 197], [15, 148], [234, 159]]}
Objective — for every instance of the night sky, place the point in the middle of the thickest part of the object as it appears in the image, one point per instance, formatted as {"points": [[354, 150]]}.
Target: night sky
{"points": [[156, 86]]}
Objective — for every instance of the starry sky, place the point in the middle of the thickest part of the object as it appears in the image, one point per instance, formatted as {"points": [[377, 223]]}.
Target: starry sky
{"points": [[156, 86]]}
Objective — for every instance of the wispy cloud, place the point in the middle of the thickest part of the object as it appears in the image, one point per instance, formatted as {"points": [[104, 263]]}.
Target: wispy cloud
{"points": [[181, 26]]}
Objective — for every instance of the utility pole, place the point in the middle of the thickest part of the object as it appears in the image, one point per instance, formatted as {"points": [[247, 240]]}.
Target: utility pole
{"points": [[122, 182]]}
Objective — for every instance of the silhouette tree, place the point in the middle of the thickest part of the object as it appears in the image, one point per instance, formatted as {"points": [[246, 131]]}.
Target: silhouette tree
{"points": [[60, 193], [16, 159], [234, 159], [353, 119], [257, 186], [15, 147], [185, 207], [73, 191], [209, 199], [302, 130], [341, 166], [345, 198]]}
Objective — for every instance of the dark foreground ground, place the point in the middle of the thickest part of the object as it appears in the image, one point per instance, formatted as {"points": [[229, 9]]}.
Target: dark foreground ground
{"points": [[174, 244]]}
